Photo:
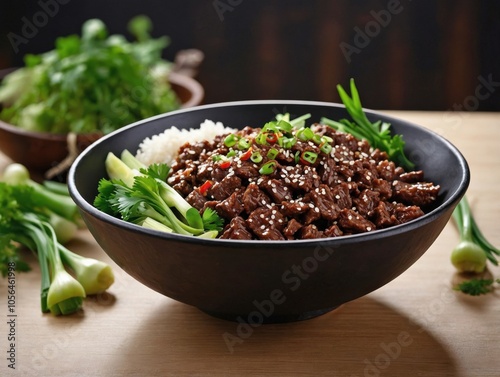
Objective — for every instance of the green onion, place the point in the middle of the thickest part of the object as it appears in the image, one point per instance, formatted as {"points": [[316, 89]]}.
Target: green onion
{"points": [[230, 140], [261, 139], [309, 156], [326, 148], [284, 126], [471, 253], [272, 153], [305, 134], [243, 144], [326, 139], [317, 139], [268, 167], [256, 157], [287, 142], [231, 153], [297, 157], [377, 134], [216, 157]]}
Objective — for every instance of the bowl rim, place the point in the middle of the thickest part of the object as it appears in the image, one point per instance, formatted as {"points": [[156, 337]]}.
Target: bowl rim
{"points": [[331, 241]]}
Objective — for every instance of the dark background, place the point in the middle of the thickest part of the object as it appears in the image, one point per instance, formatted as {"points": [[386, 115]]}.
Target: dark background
{"points": [[430, 55]]}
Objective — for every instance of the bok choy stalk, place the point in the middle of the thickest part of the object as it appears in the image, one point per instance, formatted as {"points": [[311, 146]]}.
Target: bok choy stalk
{"points": [[171, 197], [140, 195]]}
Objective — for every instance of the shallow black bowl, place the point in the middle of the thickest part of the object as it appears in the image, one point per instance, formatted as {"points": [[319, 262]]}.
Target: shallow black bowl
{"points": [[267, 281]]}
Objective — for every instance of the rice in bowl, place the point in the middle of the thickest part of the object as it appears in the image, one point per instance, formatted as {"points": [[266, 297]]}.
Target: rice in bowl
{"points": [[164, 147]]}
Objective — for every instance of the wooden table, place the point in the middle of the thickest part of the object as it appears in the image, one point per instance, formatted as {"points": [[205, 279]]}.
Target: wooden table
{"points": [[414, 326]]}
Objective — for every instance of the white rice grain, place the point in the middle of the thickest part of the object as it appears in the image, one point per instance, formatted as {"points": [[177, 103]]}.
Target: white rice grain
{"points": [[164, 146]]}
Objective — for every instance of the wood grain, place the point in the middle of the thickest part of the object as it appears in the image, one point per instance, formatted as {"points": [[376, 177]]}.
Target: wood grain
{"points": [[414, 326]]}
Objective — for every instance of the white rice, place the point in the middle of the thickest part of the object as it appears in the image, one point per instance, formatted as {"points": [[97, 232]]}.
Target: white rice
{"points": [[164, 147]]}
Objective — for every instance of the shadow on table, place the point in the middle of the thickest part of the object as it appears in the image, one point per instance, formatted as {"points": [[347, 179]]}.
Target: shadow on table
{"points": [[361, 338]]}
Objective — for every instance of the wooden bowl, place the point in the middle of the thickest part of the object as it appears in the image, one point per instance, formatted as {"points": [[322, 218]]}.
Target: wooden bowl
{"points": [[40, 151]]}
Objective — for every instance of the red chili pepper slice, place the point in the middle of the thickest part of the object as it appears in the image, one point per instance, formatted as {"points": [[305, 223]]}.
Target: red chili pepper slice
{"points": [[245, 156], [272, 137], [204, 187], [225, 165]]}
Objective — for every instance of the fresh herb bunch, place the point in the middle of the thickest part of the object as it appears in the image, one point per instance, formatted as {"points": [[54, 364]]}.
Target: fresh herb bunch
{"points": [[93, 83], [476, 287], [378, 134]]}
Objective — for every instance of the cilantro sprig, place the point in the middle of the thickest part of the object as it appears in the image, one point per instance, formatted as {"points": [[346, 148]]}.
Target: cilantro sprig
{"points": [[476, 287]]}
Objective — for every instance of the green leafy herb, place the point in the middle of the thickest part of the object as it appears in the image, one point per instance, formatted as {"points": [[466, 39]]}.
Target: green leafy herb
{"points": [[211, 220], [96, 82], [476, 287], [377, 134]]}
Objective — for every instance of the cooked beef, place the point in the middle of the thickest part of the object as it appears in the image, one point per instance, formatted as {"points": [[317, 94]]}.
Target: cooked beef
{"points": [[254, 198], [237, 230], [291, 228], [230, 207], [265, 223], [307, 193], [420, 193]]}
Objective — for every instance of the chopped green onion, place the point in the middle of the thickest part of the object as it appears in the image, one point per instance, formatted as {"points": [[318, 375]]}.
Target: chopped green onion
{"points": [[230, 140], [261, 139], [243, 143], [284, 126], [297, 157], [216, 157], [270, 126], [272, 153], [326, 148], [326, 139], [287, 142], [300, 121], [231, 153], [256, 157], [268, 167], [305, 134], [317, 139], [309, 157]]}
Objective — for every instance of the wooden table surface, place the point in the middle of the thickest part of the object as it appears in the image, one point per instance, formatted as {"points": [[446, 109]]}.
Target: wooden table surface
{"points": [[417, 325]]}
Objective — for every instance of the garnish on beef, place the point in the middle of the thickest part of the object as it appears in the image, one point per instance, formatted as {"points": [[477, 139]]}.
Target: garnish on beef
{"points": [[270, 186]]}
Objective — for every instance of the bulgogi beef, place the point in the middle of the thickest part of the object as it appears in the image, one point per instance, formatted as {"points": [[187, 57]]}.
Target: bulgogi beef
{"points": [[325, 183]]}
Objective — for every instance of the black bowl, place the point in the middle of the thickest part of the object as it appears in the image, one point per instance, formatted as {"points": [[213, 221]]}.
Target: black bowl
{"points": [[267, 281]]}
